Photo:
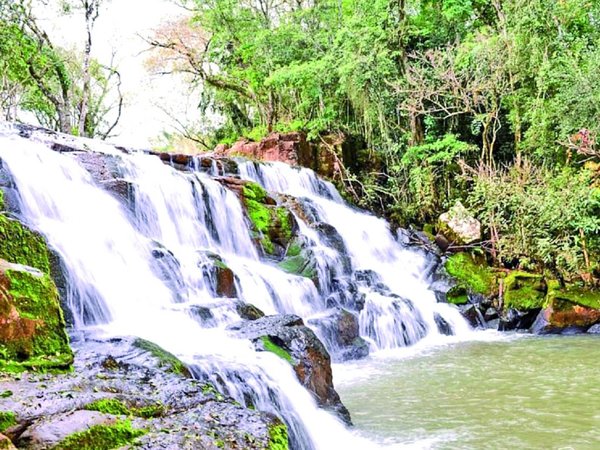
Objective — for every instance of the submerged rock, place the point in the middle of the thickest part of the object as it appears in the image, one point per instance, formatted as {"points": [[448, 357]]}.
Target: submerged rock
{"points": [[287, 336]]}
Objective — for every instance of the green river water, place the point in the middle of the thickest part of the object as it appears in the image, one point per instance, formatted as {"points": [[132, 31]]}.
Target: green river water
{"points": [[514, 393]]}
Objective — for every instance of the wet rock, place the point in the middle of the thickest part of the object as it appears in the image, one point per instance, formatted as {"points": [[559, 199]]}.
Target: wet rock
{"points": [[106, 172], [562, 314], [340, 330], [459, 226], [202, 314], [490, 314], [248, 311], [443, 326], [290, 148], [166, 410], [288, 337], [218, 275], [513, 319], [48, 432], [594, 329], [573, 330], [473, 315]]}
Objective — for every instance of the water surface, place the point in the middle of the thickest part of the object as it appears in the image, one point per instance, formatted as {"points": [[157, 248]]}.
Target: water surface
{"points": [[519, 393]]}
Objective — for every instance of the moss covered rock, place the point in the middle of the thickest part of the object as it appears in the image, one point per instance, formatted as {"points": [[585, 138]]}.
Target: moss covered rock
{"points": [[166, 360], [20, 245], [570, 307], [472, 276], [101, 437], [32, 331], [524, 291], [273, 226]]}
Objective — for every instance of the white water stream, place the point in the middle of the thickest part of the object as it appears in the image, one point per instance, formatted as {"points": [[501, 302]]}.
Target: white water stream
{"points": [[117, 286]]}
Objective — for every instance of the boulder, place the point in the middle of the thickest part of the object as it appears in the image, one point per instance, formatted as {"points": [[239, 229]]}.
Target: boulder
{"points": [[561, 314], [32, 326], [287, 336], [218, 275], [249, 312], [513, 319], [340, 330], [459, 226]]}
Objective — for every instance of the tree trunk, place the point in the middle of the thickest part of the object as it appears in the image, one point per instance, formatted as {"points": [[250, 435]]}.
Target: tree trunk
{"points": [[91, 13]]}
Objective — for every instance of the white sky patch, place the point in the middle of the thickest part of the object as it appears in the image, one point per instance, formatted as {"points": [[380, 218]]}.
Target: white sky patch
{"points": [[119, 29]]}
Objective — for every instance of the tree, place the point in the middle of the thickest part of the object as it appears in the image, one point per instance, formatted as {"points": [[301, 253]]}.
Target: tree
{"points": [[64, 92]]}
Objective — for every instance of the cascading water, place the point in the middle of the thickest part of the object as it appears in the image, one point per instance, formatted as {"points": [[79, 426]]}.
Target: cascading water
{"points": [[139, 268], [116, 283], [399, 308]]}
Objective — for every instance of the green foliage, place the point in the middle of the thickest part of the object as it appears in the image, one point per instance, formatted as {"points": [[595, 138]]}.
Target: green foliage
{"points": [[543, 218], [101, 437]]}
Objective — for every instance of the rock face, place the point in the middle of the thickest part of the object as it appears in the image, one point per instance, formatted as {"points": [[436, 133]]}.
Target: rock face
{"points": [[459, 226], [121, 394], [287, 336], [291, 148]]}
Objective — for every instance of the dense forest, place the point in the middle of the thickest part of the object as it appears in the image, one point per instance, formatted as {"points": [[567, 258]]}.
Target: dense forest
{"points": [[490, 102]]}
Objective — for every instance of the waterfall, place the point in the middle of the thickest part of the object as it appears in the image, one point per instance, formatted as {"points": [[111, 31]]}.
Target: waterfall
{"points": [[138, 267], [399, 308]]}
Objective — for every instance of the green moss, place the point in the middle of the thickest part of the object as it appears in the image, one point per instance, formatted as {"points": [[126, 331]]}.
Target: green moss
{"points": [[471, 275], [166, 360], [578, 295], [285, 221], [2, 200], [118, 408], [270, 346], [278, 437], [298, 265], [7, 420], [20, 245], [109, 406], [524, 291], [151, 411], [35, 298], [101, 437], [457, 295]]}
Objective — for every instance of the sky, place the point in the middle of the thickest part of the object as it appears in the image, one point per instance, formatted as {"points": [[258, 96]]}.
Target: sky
{"points": [[119, 28]]}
